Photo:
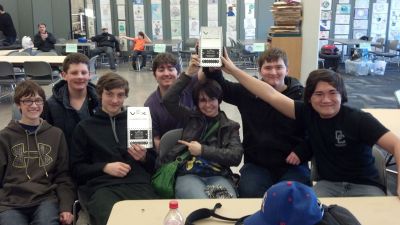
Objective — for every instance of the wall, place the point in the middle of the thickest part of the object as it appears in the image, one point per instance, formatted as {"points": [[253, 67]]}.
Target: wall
{"points": [[27, 14], [310, 31]]}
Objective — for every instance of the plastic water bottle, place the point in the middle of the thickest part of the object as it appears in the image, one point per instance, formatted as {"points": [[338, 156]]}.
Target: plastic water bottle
{"points": [[174, 217]]}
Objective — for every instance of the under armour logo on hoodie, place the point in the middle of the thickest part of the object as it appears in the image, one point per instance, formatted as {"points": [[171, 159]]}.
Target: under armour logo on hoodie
{"points": [[21, 155]]}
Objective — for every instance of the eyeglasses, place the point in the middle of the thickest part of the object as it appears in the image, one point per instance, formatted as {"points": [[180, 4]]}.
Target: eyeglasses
{"points": [[29, 102]]}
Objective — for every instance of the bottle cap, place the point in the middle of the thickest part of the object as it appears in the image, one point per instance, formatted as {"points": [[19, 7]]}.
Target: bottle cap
{"points": [[173, 204]]}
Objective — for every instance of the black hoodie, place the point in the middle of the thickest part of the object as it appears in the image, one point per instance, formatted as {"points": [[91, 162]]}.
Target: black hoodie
{"points": [[268, 135], [102, 139]]}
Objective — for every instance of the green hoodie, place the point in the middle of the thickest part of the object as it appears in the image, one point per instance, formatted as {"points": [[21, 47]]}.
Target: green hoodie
{"points": [[34, 167]]}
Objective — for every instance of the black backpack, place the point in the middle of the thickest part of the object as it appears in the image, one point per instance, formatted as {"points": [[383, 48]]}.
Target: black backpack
{"points": [[337, 215]]}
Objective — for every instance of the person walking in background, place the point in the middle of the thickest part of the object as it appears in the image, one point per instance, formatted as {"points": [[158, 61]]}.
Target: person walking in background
{"points": [[44, 41], [7, 27], [138, 48]]}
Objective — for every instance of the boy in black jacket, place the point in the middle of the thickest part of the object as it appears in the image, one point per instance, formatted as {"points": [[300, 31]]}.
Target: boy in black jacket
{"points": [[102, 163]]}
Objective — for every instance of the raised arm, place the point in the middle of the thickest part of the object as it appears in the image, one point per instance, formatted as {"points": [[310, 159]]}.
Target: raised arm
{"points": [[171, 97], [128, 38], [259, 88], [391, 143]]}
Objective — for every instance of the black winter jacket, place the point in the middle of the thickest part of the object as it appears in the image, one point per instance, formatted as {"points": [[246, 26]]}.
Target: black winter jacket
{"points": [[106, 39], [59, 112], [224, 149]]}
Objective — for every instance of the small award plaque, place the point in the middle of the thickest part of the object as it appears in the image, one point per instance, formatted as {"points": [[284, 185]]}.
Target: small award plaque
{"points": [[210, 46], [139, 127]]}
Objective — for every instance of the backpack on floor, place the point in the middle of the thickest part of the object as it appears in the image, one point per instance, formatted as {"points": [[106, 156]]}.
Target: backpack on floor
{"points": [[337, 215], [329, 50]]}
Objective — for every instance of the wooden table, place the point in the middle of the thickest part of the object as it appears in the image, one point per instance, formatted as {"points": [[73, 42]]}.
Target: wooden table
{"points": [[368, 210], [19, 60], [6, 52], [388, 117]]}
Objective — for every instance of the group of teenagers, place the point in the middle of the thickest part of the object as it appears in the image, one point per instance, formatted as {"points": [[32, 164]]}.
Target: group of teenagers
{"points": [[75, 141]]}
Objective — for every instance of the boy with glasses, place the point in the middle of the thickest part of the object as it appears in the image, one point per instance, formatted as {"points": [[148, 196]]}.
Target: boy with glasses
{"points": [[35, 186], [340, 137]]}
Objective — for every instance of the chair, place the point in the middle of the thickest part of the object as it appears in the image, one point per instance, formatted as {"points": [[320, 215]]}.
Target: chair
{"points": [[246, 58], [7, 77], [380, 165], [379, 44], [19, 54], [40, 72], [391, 52], [92, 67], [168, 140], [47, 54]]}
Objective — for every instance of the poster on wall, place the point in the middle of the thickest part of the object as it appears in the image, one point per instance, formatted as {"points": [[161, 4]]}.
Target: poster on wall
{"points": [[230, 21], [394, 25], [156, 11], [325, 25], [139, 26], [157, 30], [194, 28], [360, 24], [175, 12], [343, 9], [342, 29], [249, 8], [326, 15], [361, 4], [324, 34], [138, 12], [194, 19], [212, 13], [342, 19], [176, 28], [326, 4], [361, 14], [121, 12], [379, 20]]}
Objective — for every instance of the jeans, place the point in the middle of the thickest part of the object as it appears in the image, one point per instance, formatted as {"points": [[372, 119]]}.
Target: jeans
{"points": [[134, 58], [255, 180], [46, 213], [326, 188], [9, 40], [193, 186], [109, 52]]}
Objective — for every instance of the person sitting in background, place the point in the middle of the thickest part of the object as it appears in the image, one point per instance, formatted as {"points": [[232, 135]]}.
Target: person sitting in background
{"points": [[211, 138], [36, 187], [138, 48], [44, 41], [106, 169], [106, 43], [274, 147], [166, 69], [74, 98], [340, 137], [7, 27]]}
